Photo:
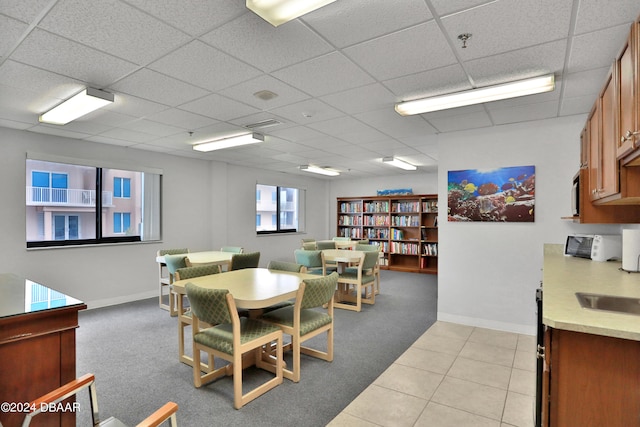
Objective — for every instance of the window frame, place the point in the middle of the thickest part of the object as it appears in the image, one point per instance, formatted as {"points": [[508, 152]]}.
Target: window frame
{"points": [[300, 209], [154, 232]]}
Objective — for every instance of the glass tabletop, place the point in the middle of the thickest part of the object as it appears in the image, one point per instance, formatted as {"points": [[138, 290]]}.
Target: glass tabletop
{"points": [[20, 296]]}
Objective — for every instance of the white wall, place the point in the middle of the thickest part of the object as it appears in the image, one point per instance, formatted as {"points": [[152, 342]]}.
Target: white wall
{"points": [[206, 205], [488, 272]]}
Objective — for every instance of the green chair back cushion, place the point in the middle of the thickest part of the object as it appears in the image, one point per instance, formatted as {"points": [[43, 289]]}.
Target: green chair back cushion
{"points": [[197, 271], [285, 266], [209, 305], [174, 262], [318, 292], [310, 259], [234, 249], [249, 260], [163, 252]]}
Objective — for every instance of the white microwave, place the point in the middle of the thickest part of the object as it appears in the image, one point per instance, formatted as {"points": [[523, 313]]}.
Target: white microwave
{"points": [[597, 247]]}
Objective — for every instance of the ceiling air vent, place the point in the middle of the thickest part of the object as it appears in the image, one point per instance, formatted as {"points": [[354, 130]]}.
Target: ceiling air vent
{"points": [[263, 124]]}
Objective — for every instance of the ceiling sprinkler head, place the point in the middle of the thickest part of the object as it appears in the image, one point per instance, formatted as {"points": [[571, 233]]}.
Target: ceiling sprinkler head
{"points": [[464, 38]]}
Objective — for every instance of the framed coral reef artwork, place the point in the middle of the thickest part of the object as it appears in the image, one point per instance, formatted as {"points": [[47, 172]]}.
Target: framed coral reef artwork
{"points": [[492, 195]]}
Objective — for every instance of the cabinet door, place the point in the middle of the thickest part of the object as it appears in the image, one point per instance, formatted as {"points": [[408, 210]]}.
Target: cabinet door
{"points": [[626, 92], [584, 148], [608, 163], [593, 125]]}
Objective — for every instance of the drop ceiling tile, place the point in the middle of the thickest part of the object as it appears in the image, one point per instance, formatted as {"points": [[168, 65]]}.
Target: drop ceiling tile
{"points": [[23, 10], [59, 55], [219, 108], [348, 129], [195, 16], [295, 133], [133, 106], [128, 135], [524, 113], [391, 123], [354, 21], [521, 24], [577, 105], [401, 53], [361, 99], [58, 131], [429, 83], [204, 66], [324, 75], [308, 111], [39, 81], [584, 82], [154, 128], [23, 105], [461, 122], [286, 146], [529, 99], [5, 123], [245, 92], [257, 42], [181, 118], [144, 84], [10, 32], [597, 49], [111, 26], [255, 118], [597, 14], [446, 7], [547, 58]]}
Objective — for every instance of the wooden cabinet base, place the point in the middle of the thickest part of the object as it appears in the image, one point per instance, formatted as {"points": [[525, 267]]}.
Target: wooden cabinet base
{"points": [[594, 380]]}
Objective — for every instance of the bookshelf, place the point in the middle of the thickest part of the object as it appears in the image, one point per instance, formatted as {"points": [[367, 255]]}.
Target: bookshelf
{"points": [[405, 227]]}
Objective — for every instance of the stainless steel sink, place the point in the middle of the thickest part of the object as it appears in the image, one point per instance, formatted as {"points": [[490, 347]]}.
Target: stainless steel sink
{"points": [[609, 303]]}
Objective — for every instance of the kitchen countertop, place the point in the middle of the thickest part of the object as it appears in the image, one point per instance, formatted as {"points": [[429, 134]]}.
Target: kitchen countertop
{"points": [[564, 276]]}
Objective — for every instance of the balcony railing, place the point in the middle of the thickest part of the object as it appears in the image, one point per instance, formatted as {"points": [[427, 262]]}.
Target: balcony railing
{"points": [[43, 196]]}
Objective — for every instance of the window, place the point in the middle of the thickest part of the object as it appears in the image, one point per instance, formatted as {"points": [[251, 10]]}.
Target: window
{"points": [[121, 222], [279, 209], [122, 187], [73, 202]]}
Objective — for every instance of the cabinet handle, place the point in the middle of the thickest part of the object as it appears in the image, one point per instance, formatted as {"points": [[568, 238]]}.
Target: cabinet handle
{"points": [[629, 135], [540, 352]]}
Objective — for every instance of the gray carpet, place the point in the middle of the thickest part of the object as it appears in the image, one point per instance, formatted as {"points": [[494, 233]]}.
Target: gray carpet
{"points": [[132, 349]]}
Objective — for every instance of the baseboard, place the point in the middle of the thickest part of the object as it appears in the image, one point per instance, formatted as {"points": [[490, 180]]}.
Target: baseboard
{"points": [[120, 300], [489, 324]]}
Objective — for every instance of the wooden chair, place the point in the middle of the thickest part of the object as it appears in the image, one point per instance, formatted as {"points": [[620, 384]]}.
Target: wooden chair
{"points": [[311, 259], [165, 413], [309, 246], [229, 339], [305, 320], [244, 260], [325, 244], [174, 262], [163, 275], [184, 313], [233, 249], [376, 269], [355, 280]]}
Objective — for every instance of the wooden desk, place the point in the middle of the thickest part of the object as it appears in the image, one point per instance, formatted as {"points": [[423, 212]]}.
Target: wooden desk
{"points": [[252, 288], [37, 346]]}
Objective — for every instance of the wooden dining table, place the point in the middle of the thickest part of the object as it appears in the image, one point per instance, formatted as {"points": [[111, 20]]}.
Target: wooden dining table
{"points": [[252, 289], [205, 257]]}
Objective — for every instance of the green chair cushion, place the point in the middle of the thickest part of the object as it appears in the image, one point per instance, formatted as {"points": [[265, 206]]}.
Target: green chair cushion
{"points": [[310, 320], [220, 337]]}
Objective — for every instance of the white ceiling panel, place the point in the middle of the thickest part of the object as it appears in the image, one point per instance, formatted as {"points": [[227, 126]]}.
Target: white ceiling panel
{"points": [[355, 21], [183, 72], [419, 48], [253, 40]]}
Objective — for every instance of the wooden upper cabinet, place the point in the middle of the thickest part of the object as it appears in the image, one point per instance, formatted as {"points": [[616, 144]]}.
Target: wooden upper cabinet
{"points": [[593, 125], [627, 95], [609, 179]]}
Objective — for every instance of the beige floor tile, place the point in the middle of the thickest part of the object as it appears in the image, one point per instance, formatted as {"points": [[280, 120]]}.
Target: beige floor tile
{"points": [[471, 397], [413, 381], [345, 420], [451, 330], [386, 407], [495, 338], [527, 343], [525, 360], [428, 360], [523, 382], [519, 410], [481, 372], [436, 415], [488, 353], [440, 344]]}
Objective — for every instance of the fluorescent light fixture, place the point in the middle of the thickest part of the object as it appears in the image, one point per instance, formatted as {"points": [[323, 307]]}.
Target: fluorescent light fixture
{"points": [[88, 100], [321, 171], [399, 163], [477, 96], [277, 12], [228, 142]]}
